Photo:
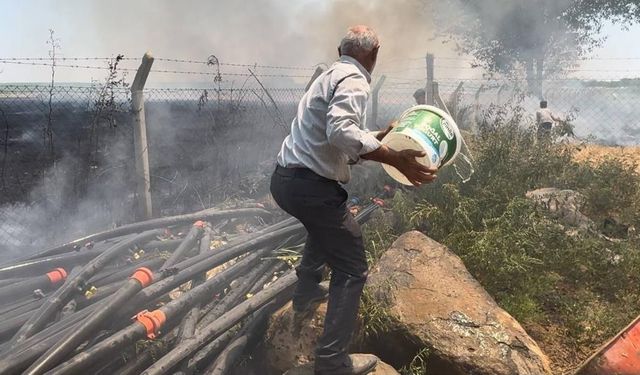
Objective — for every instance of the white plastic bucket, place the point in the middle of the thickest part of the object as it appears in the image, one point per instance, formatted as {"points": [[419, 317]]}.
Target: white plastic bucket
{"points": [[424, 128]]}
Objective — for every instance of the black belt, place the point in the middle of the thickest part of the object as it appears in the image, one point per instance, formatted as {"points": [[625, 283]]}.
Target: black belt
{"points": [[302, 173]]}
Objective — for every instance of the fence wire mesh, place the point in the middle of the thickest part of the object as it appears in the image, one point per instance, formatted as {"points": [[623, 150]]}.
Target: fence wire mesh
{"points": [[67, 151]]}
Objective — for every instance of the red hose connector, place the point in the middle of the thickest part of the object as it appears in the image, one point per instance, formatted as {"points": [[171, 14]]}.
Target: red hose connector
{"points": [[151, 321], [143, 275], [57, 275]]}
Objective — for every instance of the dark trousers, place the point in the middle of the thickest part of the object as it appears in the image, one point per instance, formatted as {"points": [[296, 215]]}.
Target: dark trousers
{"points": [[544, 129], [334, 238]]}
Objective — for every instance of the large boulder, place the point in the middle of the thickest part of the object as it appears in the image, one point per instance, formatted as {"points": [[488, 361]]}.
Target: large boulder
{"points": [[563, 204], [433, 302]]}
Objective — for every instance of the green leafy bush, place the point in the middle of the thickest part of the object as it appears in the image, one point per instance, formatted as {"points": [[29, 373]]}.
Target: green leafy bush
{"points": [[537, 267]]}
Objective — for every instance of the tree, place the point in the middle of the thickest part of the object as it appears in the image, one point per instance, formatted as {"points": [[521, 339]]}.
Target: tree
{"points": [[541, 38]]}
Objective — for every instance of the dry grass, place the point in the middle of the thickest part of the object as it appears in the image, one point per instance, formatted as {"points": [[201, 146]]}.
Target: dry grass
{"points": [[597, 154]]}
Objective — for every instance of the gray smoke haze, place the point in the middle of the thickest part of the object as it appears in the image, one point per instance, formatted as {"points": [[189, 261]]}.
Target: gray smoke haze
{"points": [[268, 32], [263, 31]]}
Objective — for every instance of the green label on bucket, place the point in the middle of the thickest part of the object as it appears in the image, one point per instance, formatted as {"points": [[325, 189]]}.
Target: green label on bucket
{"points": [[432, 129]]}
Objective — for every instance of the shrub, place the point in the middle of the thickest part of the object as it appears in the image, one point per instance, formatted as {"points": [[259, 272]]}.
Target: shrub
{"points": [[538, 268]]}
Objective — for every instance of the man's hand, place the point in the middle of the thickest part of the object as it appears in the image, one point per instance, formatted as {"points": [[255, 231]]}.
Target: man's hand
{"points": [[415, 172], [381, 134], [405, 161]]}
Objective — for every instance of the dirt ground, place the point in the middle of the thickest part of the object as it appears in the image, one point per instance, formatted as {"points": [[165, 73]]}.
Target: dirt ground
{"points": [[565, 357], [597, 153]]}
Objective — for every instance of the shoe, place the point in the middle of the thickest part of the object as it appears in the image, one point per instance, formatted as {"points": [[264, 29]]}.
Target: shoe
{"points": [[356, 364]]}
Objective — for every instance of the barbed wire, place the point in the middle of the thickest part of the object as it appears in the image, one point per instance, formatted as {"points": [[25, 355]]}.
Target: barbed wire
{"points": [[185, 72], [65, 58], [239, 64], [200, 62], [46, 61]]}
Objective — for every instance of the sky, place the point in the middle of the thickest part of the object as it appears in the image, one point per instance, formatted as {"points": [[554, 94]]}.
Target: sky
{"points": [[268, 32]]}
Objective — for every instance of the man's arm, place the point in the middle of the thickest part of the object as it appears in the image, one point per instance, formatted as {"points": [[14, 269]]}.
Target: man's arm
{"points": [[344, 132], [380, 134], [405, 161], [346, 107]]}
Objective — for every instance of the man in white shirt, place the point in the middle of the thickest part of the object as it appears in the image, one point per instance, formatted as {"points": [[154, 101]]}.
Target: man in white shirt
{"points": [[327, 136], [545, 119]]}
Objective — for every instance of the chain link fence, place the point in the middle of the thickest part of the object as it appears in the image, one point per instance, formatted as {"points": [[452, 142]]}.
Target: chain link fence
{"points": [[67, 162]]}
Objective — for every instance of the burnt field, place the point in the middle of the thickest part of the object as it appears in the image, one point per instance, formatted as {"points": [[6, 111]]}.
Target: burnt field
{"points": [[201, 153]]}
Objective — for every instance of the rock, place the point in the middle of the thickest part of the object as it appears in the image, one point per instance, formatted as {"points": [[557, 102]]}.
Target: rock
{"points": [[564, 204], [307, 369], [433, 302], [291, 348], [286, 346]]}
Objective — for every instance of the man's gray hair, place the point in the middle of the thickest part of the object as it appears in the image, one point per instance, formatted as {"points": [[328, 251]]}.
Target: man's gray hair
{"points": [[359, 39]]}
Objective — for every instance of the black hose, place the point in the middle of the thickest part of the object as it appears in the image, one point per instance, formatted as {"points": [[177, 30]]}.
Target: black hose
{"points": [[69, 308], [237, 294], [187, 244], [228, 357], [246, 338], [195, 265], [136, 331], [70, 342], [20, 356], [101, 293], [108, 367], [31, 306], [163, 245], [188, 325], [280, 289], [152, 262], [11, 324], [74, 284], [257, 239], [137, 364], [208, 351], [32, 314], [37, 267], [12, 281], [21, 302], [26, 287], [56, 327], [17, 361], [152, 224], [143, 360]]}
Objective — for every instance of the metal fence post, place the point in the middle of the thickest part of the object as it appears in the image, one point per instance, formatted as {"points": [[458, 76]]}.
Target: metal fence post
{"points": [[374, 103], [429, 87], [143, 181]]}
